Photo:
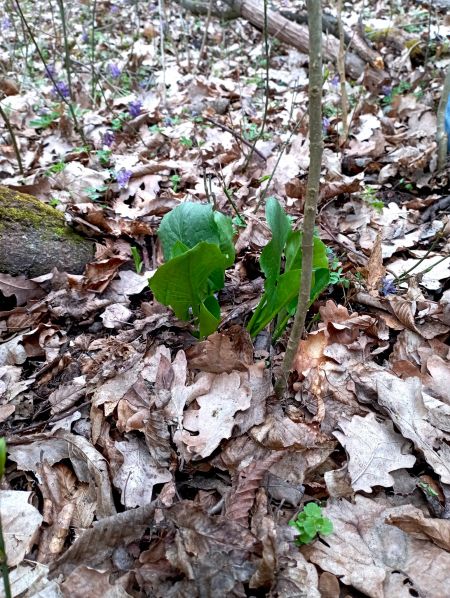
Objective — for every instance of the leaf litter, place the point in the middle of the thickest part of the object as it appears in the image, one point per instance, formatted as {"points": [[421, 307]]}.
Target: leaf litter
{"points": [[145, 462]]}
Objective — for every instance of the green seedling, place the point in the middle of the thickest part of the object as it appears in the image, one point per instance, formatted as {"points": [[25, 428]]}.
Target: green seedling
{"points": [[309, 523], [104, 156], [95, 193], [138, 263], [281, 263], [45, 120], [198, 246], [117, 123], [336, 272], [186, 142], [428, 490], [54, 202], [55, 168], [369, 195], [175, 180]]}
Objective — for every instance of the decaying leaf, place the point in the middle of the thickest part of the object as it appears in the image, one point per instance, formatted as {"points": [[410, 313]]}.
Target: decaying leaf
{"points": [[374, 450], [20, 523]]}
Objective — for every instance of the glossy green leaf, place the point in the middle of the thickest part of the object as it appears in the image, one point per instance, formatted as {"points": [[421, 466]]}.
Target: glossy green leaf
{"points": [[2, 456], [280, 226], [185, 282], [191, 223]]}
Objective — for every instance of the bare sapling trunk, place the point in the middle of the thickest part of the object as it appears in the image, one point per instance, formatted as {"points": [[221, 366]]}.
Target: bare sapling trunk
{"points": [[312, 193], [442, 135]]}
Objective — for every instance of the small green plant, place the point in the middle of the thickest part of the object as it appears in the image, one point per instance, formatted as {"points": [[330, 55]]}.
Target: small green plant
{"points": [[45, 120], [117, 123], [54, 202], [95, 193], [138, 263], [186, 142], [198, 246], [428, 490], [282, 282], [309, 523], [396, 90], [104, 156], [369, 195], [175, 181], [55, 168], [336, 271]]}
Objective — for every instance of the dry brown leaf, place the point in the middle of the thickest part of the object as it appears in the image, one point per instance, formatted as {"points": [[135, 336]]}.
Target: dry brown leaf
{"points": [[20, 523], [138, 474], [412, 521], [377, 559], [85, 581], [22, 288], [374, 451], [98, 275], [375, 268], [222, 352], [242, 495], [213, 421]]}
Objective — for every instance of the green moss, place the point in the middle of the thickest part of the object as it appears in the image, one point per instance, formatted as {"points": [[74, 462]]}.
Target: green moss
{"points": [[30, 212]]}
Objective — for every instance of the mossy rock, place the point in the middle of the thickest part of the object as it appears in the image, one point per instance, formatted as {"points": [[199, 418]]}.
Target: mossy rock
{"points": [[34, 238]]}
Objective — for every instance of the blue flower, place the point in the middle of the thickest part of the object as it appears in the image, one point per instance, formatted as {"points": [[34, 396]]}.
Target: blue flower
{"points": [[5, 24], [388, 287], [114, 71], [122, 177], [386, 90], [85, 37], [335, 81], [135, 108], [325, 125], [108, 138], [61, 89]]}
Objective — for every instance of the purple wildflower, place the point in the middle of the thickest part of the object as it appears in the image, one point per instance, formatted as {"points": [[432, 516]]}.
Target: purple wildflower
{"points": [[335, 81], [388, 287], [61, 89], [325, 124], [85, 37], [114, 9], [386, 90], [5, 24], [122, 177], [108, 138], [50, 71], [135, 108], [114, 70]]}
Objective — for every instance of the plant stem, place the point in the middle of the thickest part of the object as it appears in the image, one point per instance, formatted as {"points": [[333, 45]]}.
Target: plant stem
{"points": [[93, 78], [13, 139], [66, 48], [4, 564], [205, 37], [266, 103], [312, 193], [341, 71], [162, 49]]}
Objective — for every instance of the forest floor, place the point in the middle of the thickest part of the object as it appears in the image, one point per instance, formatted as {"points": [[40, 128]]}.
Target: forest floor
{"points": [[144, 461]]}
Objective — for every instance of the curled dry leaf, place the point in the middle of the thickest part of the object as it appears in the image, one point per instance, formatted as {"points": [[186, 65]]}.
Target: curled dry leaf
{"points": [[413, 521], [374, 450], [375, 268]]}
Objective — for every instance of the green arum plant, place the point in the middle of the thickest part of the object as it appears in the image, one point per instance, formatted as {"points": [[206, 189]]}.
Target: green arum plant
{"points": [[198, 246], [282, 284], [309, 523]]}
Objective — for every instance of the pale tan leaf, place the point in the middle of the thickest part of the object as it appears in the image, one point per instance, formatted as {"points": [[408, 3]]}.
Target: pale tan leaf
{"points": [[412, 521], [375, 268], [374, 451], [20, 523]]}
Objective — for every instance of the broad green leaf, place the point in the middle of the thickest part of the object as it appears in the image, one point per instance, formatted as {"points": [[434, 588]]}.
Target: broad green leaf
{"points": [[280, 226], [191, 223], [184, 282], [293, 252]]}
